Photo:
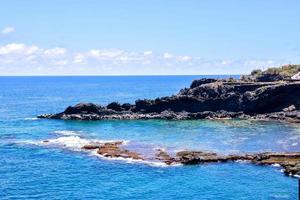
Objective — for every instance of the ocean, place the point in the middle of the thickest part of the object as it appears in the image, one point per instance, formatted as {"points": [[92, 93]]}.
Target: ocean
{"points": [[30, 169]]}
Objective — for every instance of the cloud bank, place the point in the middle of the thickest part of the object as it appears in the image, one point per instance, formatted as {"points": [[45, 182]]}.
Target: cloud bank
{"points": [[7, 30], [22, 59]]}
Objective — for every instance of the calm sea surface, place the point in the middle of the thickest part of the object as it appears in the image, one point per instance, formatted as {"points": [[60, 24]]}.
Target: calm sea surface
{"points": [[31, 170]]}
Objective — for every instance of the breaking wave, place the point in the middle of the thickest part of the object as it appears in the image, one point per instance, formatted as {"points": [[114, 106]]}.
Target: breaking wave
{"points": [[75, 143]]}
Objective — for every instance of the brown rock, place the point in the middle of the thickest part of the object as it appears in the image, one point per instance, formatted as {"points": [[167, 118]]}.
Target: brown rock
{"points": [[91, 146], [113, 150]]}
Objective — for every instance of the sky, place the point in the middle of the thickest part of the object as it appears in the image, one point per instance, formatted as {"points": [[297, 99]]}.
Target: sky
{"points": [[153, 37]]}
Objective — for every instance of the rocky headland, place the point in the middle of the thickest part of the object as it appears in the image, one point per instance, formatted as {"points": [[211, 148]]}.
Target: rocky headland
{"points": [[259, 96], [273, 94]]}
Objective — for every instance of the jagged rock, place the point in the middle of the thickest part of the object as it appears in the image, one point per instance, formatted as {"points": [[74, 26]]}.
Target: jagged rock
{"points": [[292, 169], [296, 76], [199, 82], [205, 99], [290, 108], [84, 108], [126, 106], [114, 106]]}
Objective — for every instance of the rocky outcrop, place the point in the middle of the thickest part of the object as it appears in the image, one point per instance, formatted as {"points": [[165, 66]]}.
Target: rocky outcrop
{"points": [[296, 76], [289, 161], [112, 150], [285, 72], [204, 99]]}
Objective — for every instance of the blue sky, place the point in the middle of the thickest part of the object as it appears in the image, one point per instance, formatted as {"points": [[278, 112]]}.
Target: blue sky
{"points": [[117, 37]]}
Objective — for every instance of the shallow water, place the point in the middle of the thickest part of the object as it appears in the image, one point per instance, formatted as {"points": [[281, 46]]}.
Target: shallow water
{"points": [[29, 170]]}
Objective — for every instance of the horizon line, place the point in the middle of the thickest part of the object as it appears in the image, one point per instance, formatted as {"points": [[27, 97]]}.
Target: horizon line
{"points": [[116, 75]]}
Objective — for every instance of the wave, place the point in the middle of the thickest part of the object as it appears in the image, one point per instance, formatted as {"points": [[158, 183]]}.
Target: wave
{"points": [[69, 142], [72, 142], [75, 143], [135, 161], [31, 118], [67, 133], [276, 165]]}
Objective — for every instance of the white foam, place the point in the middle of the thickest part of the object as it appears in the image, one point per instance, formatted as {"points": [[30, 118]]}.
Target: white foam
{"points": [[130, 160], [159, 148], [276, 165], [75, 143], [242, 161], [71, 142], [66, 133], [31, 118]]}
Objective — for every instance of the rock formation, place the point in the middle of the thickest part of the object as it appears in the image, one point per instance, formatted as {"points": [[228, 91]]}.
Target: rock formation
{"points": [[289, 161], [112, 150], [204, 99]]}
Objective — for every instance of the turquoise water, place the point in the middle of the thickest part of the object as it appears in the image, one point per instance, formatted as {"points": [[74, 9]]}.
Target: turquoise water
{"points": [[29, 170]]}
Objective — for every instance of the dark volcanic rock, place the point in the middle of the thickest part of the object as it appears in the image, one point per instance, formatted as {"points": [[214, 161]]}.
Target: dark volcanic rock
{"points": [[205, 99], [114, 106], [199, 82], [84, 108]]}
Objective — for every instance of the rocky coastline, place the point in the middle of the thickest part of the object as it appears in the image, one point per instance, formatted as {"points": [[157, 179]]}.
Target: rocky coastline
{"points": [[259, 96], [289, 161], [204, 99]]}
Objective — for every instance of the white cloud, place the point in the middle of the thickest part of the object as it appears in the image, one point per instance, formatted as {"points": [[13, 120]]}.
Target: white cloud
{"points": [[15, 48], [61, 62], [148, 53], [18, 58], [79, 59], [184, 58], [104, 54], [55, 52], [167, 55], [7, 30]]}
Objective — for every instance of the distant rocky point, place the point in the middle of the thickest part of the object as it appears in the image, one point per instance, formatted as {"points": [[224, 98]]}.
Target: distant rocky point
{"points": [[273, 94], [285, 72]]}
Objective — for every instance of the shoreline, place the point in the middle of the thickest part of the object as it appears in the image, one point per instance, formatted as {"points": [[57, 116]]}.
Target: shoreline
{"points": [[118, 150], [204, 99]]}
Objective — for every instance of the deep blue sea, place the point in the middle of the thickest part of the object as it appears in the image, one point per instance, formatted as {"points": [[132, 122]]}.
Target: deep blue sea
{"points": [[31, 170]]}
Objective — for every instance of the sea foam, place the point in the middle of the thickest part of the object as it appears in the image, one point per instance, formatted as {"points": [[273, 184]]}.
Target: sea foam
{"points": [[31, 118], [75, 143], [67, 133]]}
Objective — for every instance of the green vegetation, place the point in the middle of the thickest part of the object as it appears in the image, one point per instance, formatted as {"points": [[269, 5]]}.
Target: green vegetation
{"points": [[284, 71], [272, 74]]}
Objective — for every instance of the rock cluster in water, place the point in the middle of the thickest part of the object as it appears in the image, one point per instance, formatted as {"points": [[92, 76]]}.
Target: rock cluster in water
{"points": [[112, 150], [289, 161], [204, 99]]}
